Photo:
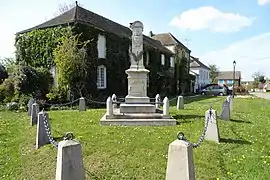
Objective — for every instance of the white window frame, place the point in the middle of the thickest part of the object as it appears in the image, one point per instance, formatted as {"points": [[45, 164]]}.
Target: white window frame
{"points": [[172, 61], [162, 59], [101, 46], [101, 77]]}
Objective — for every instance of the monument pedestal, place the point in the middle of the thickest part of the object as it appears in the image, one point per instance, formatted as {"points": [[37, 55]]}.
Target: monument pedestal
{"points": [[137, 101]]}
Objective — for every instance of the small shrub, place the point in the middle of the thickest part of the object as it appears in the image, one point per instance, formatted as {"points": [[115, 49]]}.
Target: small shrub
{"points": [[7, 91], [57, 96], [13, 106], [24, 99]]}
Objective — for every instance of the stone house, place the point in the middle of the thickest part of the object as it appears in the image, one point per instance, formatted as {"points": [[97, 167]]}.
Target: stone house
{"points": [[201, 70], [226, 77], [108, 63]]}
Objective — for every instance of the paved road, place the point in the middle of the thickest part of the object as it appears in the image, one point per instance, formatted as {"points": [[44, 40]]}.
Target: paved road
{"points": [[261, 95]]}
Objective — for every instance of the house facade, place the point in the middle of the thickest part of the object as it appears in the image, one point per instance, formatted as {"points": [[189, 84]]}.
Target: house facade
{"points": [[113, 43], [194, 86], [226, 77], [202, 71], [180, 50]]}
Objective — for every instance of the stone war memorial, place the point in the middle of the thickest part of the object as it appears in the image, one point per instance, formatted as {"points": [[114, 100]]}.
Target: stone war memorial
{"points": [[137, 109]]}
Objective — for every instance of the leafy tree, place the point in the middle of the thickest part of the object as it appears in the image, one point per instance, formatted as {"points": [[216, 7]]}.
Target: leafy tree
{"points": [[72, 64], [32, 81], [258, 78], [213, 73]]}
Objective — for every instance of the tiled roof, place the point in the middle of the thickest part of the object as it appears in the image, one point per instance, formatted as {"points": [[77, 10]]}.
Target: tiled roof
{"points": [[81, 15], [228, 75], [196, 63], [167, 39]]}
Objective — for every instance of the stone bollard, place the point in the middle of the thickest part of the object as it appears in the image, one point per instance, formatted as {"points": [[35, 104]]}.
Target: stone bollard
{"points": [[34, 114], [212, 132], [225, 114], [82, 104], [180, 102], [109, 106], [166, 107], [29, 105], [157, 100], [231, 103], [69, 164], [42, 137], [180, 164], [114, 99]]}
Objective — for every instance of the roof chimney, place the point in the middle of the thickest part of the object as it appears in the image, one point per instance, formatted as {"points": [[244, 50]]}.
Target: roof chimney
{"points": [[151, 34]]}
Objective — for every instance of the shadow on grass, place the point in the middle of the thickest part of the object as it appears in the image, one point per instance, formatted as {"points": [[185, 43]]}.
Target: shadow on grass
{"points": [[58, 138], [241, 121], [187, 116], [234, 141]]}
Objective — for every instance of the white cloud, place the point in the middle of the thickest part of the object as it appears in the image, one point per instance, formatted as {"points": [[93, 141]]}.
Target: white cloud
{"points": [[263, 2], [210, 18], [251, 55]]}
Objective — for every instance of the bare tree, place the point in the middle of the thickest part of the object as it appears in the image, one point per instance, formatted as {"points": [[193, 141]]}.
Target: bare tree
{"points": [[65, 7]]}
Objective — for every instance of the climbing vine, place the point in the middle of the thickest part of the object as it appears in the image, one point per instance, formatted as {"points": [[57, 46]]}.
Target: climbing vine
{"points": [[35, 48]]}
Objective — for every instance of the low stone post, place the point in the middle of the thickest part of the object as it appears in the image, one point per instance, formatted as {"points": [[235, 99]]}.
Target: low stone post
{"points": [[109, 106], [225, 114], [230, 98], [157, 101], [82, 104], [69, 164], [180, 102], [166, 106], [180, 164], [42, 137], [212, 132], [34, 114], [29, 105], [114, 99]]}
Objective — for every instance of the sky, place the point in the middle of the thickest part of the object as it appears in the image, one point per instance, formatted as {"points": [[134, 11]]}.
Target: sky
{"points": [[216, 31]]}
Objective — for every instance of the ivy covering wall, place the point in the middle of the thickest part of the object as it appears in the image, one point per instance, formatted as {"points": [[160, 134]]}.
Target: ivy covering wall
{"points": [[36, 48]]}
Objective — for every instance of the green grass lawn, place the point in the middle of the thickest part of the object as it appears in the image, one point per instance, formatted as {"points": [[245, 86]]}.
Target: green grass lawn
{"points": [[141, 152]]}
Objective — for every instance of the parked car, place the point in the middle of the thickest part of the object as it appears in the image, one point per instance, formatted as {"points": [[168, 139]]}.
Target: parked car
{"points": [[214, 89]]}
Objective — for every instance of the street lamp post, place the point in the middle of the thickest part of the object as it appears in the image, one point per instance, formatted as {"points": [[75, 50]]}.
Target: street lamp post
{"points": [[234, 64]]}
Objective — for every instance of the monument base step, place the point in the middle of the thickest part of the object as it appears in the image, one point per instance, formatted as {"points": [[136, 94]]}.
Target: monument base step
{"points": [[137, 108], [137, 119], [137, 122]]}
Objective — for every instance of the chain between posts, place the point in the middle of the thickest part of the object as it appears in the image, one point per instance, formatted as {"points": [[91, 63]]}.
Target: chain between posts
{"points": [[181, 136], [64, 104], [48, 131]]}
